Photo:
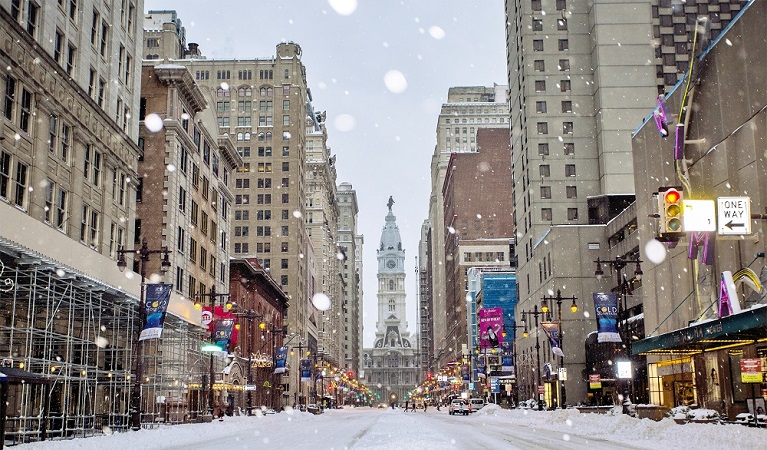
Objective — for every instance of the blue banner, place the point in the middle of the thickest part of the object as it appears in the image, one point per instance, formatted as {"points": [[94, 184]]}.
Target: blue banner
{"points": [[155, 306], [552, 331], [279, 360], [507, 357], [606, 305], [224, 329], [465, 372], [306, 370]]}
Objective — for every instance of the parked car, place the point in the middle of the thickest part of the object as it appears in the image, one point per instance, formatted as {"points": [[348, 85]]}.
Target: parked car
{"points": [[476, 404], [313, 408], [459, 407]]}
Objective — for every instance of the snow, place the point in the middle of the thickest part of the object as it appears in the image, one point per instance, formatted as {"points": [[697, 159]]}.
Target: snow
{"points": [[368, 428]]}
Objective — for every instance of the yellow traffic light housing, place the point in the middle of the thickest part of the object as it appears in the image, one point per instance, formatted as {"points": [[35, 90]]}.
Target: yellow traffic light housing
{"points": [[670, 200]]}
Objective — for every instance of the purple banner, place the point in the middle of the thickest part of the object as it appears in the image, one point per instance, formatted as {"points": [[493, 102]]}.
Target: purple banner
{"points": [[606, 305], [155, 307], [490, 328]]}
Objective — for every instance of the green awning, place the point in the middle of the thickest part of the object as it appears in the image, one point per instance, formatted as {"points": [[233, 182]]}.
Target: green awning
{"points": [[743, 328]]}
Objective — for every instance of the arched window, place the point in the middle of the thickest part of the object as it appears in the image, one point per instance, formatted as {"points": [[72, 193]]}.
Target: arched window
{"points": [[268, 136], [247, 136], [239, 136], [287, 74], [261, 136]]}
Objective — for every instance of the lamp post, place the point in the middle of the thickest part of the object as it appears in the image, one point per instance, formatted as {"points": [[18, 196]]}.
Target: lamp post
{"points": [[250, 315], [301, 346], [143, 252], [624, 288], [535, 313], [212, 295], [545, 308]]}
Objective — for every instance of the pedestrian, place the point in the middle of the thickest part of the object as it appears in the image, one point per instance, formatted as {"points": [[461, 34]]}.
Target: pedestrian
{"points": [[406, 406], [424, 406]]}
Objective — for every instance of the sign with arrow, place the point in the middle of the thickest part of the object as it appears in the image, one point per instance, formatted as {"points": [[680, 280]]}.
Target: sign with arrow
{"points": [[734, 215]]}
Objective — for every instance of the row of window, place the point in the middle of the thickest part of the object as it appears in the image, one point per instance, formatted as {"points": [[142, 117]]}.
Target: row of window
{"points": [[539, 65], [265, 91], [246, 121], [537, 6], [541, 106], [263, 152], [546, 214], [261, 214], [244, 74], [571, 192], [244, 106], [543, 127], [261, 183], [562, 45], [563, 85], [196, 249], [483, 257]]}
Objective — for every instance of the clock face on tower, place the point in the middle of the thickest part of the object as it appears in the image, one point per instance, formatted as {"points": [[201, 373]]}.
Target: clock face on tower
{"points": [[391, 264]]}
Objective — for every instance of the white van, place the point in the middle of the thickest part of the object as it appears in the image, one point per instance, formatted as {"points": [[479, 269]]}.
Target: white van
{"points": [[476, 404]]}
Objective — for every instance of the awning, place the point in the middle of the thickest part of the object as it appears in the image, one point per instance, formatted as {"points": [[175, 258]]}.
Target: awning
{"points": [[743, 328], [14, 376]]}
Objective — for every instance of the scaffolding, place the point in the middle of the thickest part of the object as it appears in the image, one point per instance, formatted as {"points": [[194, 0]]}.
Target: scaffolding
{"points": [[81, 334]]}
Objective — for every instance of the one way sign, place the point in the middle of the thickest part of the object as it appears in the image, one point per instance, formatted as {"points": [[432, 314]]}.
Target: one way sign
{"points": [[734, 215]]}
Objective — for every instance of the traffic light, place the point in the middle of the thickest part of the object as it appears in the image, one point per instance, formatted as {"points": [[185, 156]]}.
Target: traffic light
{"points": [[350, 374], [428, 376], [670, 209]]}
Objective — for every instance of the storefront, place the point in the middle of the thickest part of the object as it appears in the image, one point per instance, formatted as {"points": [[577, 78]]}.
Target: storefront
{"points": [[701, 364]]}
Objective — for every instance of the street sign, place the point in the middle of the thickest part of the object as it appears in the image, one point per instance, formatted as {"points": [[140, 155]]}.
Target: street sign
{"points": [[541, 389], [562, 373], [595, 381], [733, 215], [249, 387], [699, 215], [750, 370]]}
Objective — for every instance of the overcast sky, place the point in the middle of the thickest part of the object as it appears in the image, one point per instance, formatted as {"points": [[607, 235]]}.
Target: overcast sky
{"points": [[382, 128]]}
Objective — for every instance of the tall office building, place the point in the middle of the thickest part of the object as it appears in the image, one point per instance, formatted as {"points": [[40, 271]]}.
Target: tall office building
{"points": [[467, 110], [579, 85], [350, 246], [69, 176]]}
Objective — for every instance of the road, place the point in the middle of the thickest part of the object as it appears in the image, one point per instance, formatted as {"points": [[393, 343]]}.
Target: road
{"points": [[364, 428]]}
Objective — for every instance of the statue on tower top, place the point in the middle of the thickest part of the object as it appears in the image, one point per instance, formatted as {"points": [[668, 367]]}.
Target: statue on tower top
{"points": [[391, 202]]}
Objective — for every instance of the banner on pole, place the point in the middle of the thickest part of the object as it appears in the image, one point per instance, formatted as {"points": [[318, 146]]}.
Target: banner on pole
{"points": [[280, 358], [507, 357], [552, 331], [306, 370], [606, 305], [155, 306], [223, 336]]}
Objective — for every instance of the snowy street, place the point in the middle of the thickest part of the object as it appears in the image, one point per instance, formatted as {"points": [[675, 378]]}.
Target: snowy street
{"points": [[368, 428]]}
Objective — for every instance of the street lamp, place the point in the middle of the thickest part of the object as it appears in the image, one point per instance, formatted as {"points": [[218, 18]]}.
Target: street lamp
{"points": [[545, 308], [211, 347], [624, 288], [301, 346], [535, 313], [143, 252], [250, 315]]}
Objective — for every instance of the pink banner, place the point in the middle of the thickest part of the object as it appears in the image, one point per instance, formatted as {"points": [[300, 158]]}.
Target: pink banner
{"points": [[490, 328]]}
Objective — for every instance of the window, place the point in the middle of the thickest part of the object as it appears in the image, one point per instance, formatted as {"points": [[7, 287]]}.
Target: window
{"points": [[561, 5], [572, 191], [546, 214], [538, 45], [285, 151], [537, 24], [179, 279], [563, 44], [286, 166], [60, 219], [569, 170], [545, 192], [540, 107], [562, 24], [543, 128], [567, 127], [285, 198], [284, 278], [564, 85], [539, 65], [572, 213], [73, 10], [567, 106], [5, 174], [544, 170], [102, 88], [20, 191], [53, 132], [58, 46], [540, 86], [49, 188], [543, 149], [569, 148], [182, 199], [536, 5], [10, 97], [104, 37], [26, 109], [66, 132], [564, 65]]}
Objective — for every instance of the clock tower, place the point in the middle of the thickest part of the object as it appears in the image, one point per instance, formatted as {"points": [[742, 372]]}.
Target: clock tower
{"points": [[392, 364]]}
